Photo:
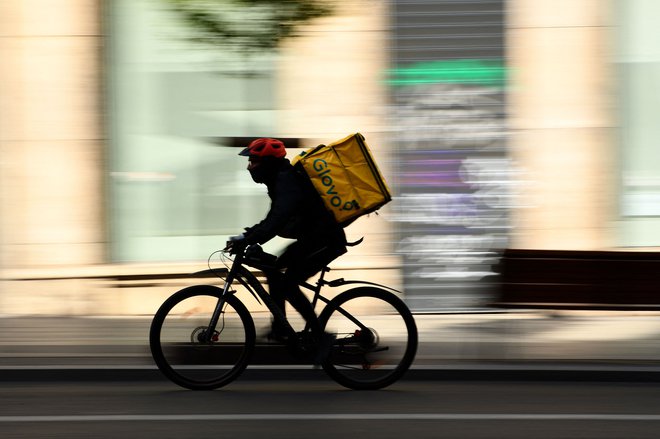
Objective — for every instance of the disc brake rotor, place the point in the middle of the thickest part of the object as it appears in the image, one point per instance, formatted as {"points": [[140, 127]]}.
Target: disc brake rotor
{"points": [[198, 335]]}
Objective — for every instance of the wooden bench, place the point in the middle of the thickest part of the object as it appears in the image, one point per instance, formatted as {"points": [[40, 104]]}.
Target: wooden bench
{"points": [[573, 279]]}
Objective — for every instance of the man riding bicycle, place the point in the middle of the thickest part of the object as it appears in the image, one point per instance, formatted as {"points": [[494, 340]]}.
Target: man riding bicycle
{"points": [[296, 212]]}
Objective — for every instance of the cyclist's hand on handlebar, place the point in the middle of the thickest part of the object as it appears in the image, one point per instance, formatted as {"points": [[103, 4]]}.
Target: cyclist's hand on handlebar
{"points": [[236, 244]]}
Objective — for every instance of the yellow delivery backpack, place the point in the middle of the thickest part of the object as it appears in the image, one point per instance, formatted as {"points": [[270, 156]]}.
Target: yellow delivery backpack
{"points": [[346, 177]]}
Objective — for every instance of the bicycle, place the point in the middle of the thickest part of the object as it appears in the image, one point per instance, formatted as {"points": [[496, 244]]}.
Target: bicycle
{"points": [[202, 337]]}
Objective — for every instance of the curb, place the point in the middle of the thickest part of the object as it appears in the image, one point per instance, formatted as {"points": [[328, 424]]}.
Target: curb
{"points": [[468, 372]]}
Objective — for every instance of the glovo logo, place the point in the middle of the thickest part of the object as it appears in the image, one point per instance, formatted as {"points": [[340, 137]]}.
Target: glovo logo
{"points": [[323, 172]]}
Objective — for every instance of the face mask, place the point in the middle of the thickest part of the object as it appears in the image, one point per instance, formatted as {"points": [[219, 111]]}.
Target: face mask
{"points": [[257, 174], [263, 171]]}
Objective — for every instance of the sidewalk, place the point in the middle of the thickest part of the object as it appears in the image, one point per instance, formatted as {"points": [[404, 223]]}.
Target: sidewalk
{"points": [[474, 343]]}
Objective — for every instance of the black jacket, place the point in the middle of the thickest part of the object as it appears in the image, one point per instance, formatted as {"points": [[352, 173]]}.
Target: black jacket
{"points": [[296, 210]]}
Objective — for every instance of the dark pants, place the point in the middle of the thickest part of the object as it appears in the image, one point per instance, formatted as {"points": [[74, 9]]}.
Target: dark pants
{"points": [[300, 261]]}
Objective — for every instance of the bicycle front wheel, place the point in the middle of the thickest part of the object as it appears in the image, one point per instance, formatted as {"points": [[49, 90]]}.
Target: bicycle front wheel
{"points": [[376, 338], [180, 346]]}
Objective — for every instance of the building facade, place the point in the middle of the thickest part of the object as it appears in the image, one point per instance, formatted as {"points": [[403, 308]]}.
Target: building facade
{"points": [[520, 123]]}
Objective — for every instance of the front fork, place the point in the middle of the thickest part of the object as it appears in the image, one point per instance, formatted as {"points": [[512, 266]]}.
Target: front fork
{"points": [[209, 336], [210, 333]]}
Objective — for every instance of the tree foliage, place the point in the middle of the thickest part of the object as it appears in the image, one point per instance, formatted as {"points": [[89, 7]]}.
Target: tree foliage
{"points": [[247, 25]]}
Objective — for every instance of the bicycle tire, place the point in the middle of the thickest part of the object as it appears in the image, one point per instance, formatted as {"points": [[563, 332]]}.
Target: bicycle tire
{"points": [[375, 359], [174, 339]]}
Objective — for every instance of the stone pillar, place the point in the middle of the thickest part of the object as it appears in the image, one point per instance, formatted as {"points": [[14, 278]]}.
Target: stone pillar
{"points": [[562, 123], [51, 160], [330, 85]]}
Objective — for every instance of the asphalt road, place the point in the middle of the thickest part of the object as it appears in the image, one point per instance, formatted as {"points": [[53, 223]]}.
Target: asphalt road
{"points": [[322, 409]]}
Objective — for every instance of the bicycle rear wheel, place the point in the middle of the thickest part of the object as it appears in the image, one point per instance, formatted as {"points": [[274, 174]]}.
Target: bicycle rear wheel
{"points": [[376, 338], [178, 343]]}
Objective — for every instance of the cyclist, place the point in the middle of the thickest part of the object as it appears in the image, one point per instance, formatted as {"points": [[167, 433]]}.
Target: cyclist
{"points": [[296, 212]]}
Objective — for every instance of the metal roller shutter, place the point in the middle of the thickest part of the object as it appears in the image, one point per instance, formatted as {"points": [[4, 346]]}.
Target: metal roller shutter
{"points": [[448, 116]]}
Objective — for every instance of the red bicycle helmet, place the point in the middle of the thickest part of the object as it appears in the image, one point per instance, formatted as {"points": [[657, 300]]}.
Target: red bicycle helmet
{"points": [[265, 147]]}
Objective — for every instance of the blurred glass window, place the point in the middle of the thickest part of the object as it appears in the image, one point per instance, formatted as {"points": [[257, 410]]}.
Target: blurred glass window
{"points": [[175, 192], [639, 73]]}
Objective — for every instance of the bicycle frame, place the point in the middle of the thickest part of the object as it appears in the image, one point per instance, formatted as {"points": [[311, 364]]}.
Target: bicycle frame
{"points": [[249, 281]]}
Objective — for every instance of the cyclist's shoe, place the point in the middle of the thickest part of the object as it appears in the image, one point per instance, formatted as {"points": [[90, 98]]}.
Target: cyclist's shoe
{"points": [[323, 348], [278, 334], [275, 336]]}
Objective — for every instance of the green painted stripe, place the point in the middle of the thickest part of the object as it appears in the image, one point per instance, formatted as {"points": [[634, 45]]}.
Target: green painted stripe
{"points": [[464, 71]]}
